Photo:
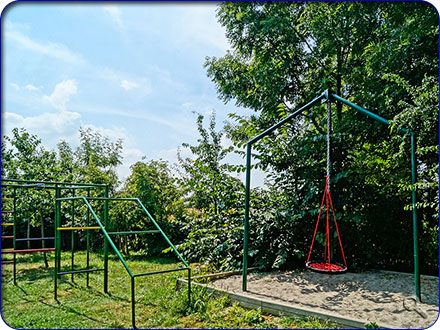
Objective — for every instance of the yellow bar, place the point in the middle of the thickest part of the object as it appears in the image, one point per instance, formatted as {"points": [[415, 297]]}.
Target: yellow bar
{"points": [[76, 228], [7, 249], [7, 224], [7, 199]]}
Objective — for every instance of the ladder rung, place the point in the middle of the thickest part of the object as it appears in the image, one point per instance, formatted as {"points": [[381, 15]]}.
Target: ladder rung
{"points": [[7, 237], [29, 250], [77, 228], [33, 239], [7, 211], [7, 199], [4, 250], [7, 224]]}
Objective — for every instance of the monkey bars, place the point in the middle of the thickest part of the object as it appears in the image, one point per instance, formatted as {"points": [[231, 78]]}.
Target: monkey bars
{"points": [[328, 97]]}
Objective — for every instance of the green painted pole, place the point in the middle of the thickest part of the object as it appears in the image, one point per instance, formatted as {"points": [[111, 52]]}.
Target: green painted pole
{"points": [[88, 240], [72, 235], [14, 233], [414, 212], [189, 287], [133, 302], [246, 215], [106, 241], [57, 239]]}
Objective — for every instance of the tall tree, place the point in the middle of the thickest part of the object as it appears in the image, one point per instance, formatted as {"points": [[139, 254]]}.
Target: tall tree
{"points": [[372, 53]]}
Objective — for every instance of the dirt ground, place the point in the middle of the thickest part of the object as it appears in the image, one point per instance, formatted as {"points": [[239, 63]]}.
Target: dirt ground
{"points": [[380, 297]]}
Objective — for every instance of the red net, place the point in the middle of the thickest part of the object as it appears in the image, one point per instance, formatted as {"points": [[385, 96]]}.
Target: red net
{"points": [[326, 267]]}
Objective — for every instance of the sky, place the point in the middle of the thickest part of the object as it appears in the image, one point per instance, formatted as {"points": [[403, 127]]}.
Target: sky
{"points": [[130, 71]]}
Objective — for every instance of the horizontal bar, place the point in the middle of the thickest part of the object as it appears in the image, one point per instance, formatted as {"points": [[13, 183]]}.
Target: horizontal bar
{"points": [[7, 199], [77, 228], [97, 198], [285, 120], [162, 271], [7, 211], [365, 111], [81, 271], [133, 232], [4, 250], [33, 239], [31, 185], [7, 237], [30, 250], [55, 182], [7, 261], [7, 224], [78, 187]]}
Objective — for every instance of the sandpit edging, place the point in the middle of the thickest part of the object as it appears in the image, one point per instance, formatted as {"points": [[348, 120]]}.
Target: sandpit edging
{"points": [[276, 308]]}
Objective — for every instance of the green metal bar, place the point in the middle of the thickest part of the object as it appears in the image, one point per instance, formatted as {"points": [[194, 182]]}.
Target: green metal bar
{"points": [[133, 232], [72, 235], [112, 199], [246, 215], [56, 183], [160, 272], [189, 287], [14, 233], [72, 239], [133, 302], [88, 241], [28, 233], [108, 237], [57, 239], [105, 241], [366, 112], [287, 119], [161, 231], [414, 213], [81, 271]]}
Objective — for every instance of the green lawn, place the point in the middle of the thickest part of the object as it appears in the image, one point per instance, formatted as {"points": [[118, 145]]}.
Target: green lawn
{"points": [[159, 303]]}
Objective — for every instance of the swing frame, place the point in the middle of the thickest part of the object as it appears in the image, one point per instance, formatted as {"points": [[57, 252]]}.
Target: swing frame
{"points": [[328, 96]]}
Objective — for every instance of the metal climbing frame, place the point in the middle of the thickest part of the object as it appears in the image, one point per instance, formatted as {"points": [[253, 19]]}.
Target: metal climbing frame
{"points": [[108, 241], [328, 96], [16, 185]]}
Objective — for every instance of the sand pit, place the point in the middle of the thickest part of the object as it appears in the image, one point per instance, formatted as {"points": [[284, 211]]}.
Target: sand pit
{"points": [[380, 297]]}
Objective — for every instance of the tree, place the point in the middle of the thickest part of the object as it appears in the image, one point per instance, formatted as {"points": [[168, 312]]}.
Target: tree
{"points": [[371, 53], [210, 188]]}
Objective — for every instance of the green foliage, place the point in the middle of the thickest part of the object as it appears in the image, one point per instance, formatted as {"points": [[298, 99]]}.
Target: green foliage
{"points": [[382, 56], [209, 186]]}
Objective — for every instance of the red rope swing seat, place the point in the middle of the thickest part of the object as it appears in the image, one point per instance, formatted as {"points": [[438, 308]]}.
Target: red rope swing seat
{"points": [[326, 265]]}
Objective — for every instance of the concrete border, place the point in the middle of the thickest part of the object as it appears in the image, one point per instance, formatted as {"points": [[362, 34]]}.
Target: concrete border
{"points": [[276, 308]]}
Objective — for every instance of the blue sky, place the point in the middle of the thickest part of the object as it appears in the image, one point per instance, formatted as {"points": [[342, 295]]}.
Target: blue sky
{"points": [[131, 71]]}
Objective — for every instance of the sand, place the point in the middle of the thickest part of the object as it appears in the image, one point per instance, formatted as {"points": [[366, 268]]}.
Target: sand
{"points": [[380, 297]]}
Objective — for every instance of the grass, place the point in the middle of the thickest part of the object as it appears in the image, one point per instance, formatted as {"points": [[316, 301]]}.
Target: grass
{"points": [[159, 304]]}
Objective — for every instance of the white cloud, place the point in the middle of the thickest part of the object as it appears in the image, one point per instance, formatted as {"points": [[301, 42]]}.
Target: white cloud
{"points": [[127, 85], [61, 94], [54, 50], [115, 14], [48, 126], [16, 87], [31, 88], [127, 81]]}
